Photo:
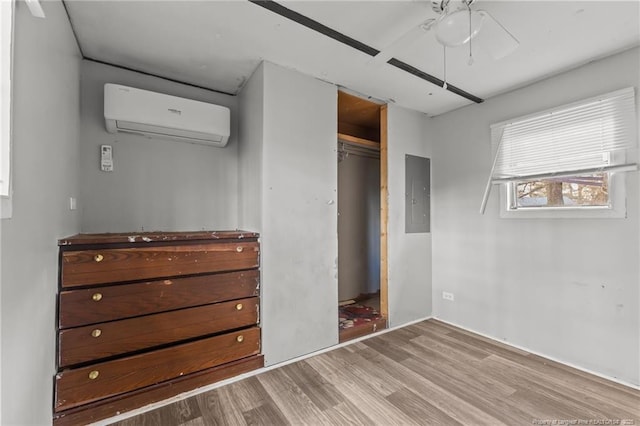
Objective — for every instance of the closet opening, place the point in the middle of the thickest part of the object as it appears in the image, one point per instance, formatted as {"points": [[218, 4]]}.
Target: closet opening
{"points": [[362, 286]]}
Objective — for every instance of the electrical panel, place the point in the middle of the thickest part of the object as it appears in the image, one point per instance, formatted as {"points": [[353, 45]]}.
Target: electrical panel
{"points": [[417, 194]]}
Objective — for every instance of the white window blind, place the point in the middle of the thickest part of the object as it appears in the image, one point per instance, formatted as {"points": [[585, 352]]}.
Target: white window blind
{"points": [[587, 136]]}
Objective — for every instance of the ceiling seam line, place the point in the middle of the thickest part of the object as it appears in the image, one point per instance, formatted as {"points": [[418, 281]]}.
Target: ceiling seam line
{"points": [[428, 77], [320, 28], [312, 24], [73, 28], [98, 61]]}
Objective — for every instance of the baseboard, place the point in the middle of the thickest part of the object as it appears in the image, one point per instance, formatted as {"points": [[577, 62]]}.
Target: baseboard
{"points": [[540, 354], [221, 383]]}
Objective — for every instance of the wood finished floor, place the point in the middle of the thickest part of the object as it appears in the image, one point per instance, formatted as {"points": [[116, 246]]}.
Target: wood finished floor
{"points": [[426, 373]]}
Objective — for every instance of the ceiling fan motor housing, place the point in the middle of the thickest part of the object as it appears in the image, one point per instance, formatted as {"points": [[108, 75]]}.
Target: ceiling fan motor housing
{"points": [[438, 6]]}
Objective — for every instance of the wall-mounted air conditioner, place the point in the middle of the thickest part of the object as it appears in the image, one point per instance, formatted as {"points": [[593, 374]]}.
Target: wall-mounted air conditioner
{"points": [[131, 110]]}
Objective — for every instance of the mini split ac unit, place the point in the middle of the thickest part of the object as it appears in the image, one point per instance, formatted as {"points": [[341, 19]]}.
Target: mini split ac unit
{"points": [[131, 110]]}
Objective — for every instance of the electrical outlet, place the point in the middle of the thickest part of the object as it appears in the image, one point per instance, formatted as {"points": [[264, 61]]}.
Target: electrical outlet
{"points": [[448, 296]]}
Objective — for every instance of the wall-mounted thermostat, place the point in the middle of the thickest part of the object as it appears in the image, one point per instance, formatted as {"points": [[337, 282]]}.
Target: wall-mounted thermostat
{"points": [[106, 158]]}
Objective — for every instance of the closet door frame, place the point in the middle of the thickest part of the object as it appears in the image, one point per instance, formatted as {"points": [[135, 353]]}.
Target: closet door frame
{"points": [[384, 216]]}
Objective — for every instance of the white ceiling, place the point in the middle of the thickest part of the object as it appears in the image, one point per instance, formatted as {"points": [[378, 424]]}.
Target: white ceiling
{"points": [[218, 44]]}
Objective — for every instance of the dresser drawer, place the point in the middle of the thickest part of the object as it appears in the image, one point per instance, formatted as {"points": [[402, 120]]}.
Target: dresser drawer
{"points": [[107, 303], [83, 385], [90, 343], [99, 266]]}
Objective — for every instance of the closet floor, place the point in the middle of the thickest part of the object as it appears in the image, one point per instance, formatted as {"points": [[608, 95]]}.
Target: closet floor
{"points": [[360, 318]]}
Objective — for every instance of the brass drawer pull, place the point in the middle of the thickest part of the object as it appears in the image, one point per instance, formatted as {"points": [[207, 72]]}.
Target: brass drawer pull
{"points": [[239, 249], [94, 374], [240, 338], [96, 297], [239, 307], [98, 257], [96, 333]]}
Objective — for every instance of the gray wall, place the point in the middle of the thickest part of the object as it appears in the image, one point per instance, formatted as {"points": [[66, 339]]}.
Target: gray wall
{"points": [[409, 254], [358, 226], [564, 288], [46, 95], [157, 184], [250, 136], [298, 176]]}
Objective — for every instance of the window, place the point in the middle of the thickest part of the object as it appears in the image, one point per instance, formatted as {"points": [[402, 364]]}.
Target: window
{"points": [[6, 21], [590, 190], [569, 158]]}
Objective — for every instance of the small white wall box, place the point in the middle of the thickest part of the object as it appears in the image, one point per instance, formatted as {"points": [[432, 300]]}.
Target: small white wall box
{"points": [[152, 114], [106, 158]]}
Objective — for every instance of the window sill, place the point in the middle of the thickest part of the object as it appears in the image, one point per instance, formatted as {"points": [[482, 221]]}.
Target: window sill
{"points": [[565, 213]]}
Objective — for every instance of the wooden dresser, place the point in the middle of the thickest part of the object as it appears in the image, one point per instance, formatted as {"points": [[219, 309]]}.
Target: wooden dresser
{"points": [[143, 317]]}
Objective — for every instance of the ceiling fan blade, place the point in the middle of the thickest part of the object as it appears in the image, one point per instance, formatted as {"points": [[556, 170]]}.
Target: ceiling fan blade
{"points": [[494, 38], [406, 39]]}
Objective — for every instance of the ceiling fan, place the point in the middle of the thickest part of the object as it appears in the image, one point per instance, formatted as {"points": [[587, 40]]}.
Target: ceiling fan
{"points": [[458, 24]]}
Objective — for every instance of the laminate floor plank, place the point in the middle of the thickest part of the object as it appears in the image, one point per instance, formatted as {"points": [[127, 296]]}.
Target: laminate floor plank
{"points": [[267, 414], [452, 331], [392, 340], [198, 421], [248, 394], [463, 371], [446, 399], [547, 372], [432, 326], [445, 342], [560, 373], [322, 393], [453, 352], [181, 412], [218, 407], [152, 418], [407, 333], [362, 373], [588, 381], [355, 346], [390, 350], [359, 392], [428, 373], [346, 413], [290, 399], [391, 374], [378, 384], [527, 380], [420, 409], [486, 409]]}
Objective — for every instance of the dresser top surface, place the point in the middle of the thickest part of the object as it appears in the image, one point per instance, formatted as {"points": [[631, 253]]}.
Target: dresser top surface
{"points": [[154, 237]]}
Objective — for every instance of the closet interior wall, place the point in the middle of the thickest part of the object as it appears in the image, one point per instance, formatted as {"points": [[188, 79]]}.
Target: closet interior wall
{"points": [[358, 197]]}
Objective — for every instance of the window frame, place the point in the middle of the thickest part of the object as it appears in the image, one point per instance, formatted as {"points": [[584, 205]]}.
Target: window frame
{"points": [[7, 21], [617, 204]]}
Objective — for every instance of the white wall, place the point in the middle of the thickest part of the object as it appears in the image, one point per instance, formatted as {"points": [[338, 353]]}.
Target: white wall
{"points": [[157, 184], [250, 136], [298, 224], [45, 171], [409, 255], [564, 288]]}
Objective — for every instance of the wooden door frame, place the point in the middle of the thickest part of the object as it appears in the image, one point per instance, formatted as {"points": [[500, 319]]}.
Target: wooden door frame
{"points": [[384, 216]]}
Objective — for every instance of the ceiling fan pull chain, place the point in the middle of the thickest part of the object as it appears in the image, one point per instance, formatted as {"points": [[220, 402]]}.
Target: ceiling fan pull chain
{"points": [[444, 82], [470, 61]]}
